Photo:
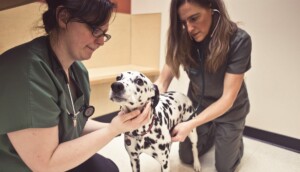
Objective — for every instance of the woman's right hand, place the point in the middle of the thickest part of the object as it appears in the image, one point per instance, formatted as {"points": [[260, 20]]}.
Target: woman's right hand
{"points": [[125, 122]]}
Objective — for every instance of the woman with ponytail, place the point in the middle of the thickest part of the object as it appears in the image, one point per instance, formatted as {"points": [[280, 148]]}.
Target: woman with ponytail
{"points": [[45, 91], [216, 54]]}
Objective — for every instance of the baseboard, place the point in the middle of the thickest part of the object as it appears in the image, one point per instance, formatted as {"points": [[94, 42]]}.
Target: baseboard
{"points": [[282, 141]]}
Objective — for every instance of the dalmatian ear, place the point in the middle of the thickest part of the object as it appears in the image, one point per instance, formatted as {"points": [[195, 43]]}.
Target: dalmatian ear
{"points": [[155, 98]]}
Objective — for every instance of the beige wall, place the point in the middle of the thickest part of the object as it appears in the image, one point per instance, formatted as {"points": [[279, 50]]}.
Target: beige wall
{"points": [[273, 82], [145, 39], [147, 6], [18, 25]]}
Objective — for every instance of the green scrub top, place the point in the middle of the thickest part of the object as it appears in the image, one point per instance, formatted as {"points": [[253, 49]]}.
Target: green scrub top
{"points": [[34, 94]]}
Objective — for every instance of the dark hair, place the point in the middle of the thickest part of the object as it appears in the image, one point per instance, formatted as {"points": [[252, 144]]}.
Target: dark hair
{"points": [[179, 44], [92, 12]]}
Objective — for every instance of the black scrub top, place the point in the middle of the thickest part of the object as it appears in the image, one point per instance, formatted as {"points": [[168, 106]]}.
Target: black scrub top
{"points": [[205, 87], [34, 94]]}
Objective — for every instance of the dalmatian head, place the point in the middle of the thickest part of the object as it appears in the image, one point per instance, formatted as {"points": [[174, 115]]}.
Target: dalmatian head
{"points": [[132, 90]]}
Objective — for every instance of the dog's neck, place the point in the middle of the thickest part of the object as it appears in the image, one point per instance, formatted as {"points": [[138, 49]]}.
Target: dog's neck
{"points": [[147, 127], [154, 102], [155, 98]]}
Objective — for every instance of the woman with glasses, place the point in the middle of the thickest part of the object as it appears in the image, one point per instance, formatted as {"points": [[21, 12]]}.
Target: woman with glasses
{"points": [[45, 93], [216, 54]]}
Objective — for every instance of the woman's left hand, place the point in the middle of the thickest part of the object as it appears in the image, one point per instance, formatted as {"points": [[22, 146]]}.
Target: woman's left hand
{"points": [[181, 131]]}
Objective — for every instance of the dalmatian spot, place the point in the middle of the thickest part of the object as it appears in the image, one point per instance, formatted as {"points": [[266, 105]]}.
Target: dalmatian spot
{"points": [[165, 165], [148, 142], [162, 146], [179, 107]]}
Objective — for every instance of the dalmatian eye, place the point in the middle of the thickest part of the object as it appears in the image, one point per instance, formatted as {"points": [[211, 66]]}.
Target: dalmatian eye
{"points": [[119, 77], [139, 82]]}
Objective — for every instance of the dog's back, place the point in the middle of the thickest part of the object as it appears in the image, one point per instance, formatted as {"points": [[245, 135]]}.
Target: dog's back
{"points": [[173, 108]]}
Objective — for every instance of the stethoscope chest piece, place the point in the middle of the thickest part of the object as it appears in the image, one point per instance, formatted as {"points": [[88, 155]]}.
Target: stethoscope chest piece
{"points": [[89, 111]]}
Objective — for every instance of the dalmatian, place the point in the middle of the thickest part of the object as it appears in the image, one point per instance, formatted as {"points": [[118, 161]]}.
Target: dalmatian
{"points": [[133, 90]]}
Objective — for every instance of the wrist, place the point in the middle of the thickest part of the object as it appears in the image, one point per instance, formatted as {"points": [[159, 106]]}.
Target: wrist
{"points": [[112, 130], [193, 123]]}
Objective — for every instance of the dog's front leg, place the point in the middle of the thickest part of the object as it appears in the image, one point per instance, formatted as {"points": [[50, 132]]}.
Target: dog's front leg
{"points": [[135, 161], [194, 140], [162, 156], [165, 164], [130, 145]]}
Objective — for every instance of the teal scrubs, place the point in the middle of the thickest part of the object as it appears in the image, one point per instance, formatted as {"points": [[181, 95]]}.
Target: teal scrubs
{"points": [[34, 94]]}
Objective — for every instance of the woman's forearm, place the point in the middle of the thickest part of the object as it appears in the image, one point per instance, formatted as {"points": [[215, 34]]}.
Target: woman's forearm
{"points": [[213, 111], [40, 149], [92, 125], [72, 153]]}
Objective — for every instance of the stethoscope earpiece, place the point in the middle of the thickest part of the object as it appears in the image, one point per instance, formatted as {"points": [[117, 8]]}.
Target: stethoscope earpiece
{"points": [[213, 11]]}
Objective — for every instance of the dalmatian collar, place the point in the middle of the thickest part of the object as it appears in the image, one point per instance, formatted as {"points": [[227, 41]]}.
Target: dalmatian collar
{"points": [[141, 135]]}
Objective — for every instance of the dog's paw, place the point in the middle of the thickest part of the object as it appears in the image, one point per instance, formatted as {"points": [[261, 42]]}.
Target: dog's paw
{"points": [[197, 166]]}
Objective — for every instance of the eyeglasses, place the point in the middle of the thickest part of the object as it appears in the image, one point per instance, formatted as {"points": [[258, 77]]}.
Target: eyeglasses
{"points": [[97, 33]]}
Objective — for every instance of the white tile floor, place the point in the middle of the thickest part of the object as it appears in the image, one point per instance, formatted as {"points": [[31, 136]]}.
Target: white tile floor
{"points": [[258, 157]]}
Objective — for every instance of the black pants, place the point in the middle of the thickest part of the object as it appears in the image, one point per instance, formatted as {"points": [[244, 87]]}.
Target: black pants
{"points": [[96, 163], [227, 138]]}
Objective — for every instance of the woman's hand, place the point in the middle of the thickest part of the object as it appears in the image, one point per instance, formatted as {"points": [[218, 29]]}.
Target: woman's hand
{"points": [[181, 131], [130, 121]]}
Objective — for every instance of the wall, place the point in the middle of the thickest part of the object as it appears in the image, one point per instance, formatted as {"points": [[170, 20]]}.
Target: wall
{"points": [[18, 25], [147, 6], [145, 37], [273, 81]]}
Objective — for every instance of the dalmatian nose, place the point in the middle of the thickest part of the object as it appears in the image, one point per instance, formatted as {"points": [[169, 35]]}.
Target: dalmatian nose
{"points": [[117, 87]]}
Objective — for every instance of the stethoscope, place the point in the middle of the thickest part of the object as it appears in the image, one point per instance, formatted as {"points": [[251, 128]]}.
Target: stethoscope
{"points": [[87, 110], [213, 32], [201, 58]]}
